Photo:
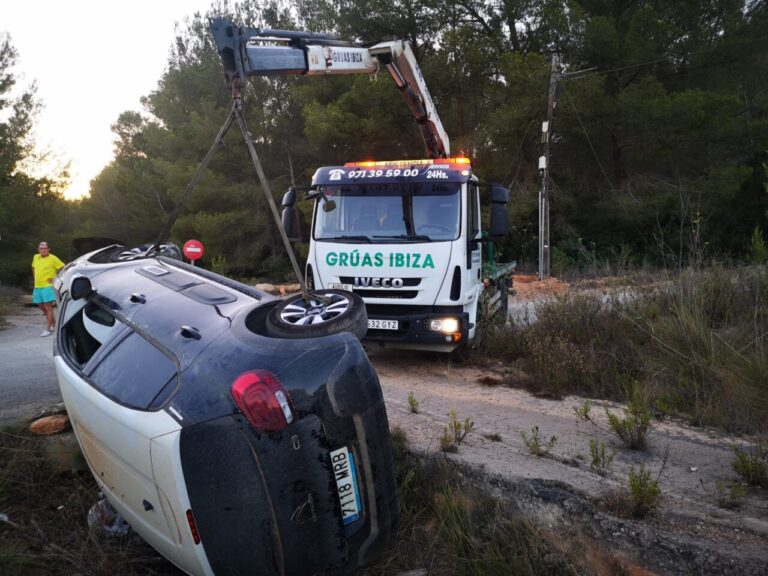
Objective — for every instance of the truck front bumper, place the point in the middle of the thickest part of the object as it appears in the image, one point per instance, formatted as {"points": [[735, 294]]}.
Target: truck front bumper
{"points": [[414, 330]]}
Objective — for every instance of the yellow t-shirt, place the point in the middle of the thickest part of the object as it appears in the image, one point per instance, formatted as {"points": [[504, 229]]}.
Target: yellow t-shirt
{"points": [[45, 268]]}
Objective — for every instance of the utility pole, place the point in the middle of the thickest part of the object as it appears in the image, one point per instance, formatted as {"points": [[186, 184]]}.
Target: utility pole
{"points": [[546, 139]]}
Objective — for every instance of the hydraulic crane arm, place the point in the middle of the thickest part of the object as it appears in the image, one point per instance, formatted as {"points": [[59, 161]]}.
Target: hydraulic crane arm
{"points": [[257, 52]]}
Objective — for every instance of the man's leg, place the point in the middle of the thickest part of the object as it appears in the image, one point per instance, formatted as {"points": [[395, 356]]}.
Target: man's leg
{"points": [[43, 310], [48, 310]]}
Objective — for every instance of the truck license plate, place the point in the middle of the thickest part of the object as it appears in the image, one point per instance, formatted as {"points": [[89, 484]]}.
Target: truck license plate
{"points": [[382, 324], [339, 286], [343, 465]]}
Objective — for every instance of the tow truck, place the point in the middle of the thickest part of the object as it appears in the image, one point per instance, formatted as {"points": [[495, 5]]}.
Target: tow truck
{"points": [[405, 235]]}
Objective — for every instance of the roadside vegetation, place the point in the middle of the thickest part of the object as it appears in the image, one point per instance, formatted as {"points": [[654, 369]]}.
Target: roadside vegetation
{"points": [[450, 525], [43, 530], [8, 295], [692, 346]]}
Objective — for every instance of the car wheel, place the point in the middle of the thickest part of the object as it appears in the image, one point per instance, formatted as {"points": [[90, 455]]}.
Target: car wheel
{"points": [[326, 312]]}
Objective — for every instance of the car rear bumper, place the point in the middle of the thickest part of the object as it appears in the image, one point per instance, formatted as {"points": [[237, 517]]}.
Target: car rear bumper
{"points": [[268, 503]]}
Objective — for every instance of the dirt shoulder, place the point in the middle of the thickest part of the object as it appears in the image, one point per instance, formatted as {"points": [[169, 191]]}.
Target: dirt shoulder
{"points": [[690, 534], [27, 378]]}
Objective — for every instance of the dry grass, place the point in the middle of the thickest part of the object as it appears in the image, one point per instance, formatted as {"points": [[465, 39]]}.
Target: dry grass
{"points": [[45, 533], [696, 345]]}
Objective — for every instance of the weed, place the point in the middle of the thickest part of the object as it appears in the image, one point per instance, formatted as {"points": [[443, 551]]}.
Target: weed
{"points": [[448, 441], [730, 495], [644, 492], [413, 404], [535, 444], [459, 429], [583, 412], [634, 426], [601, 461], [455, 432], [752, 466]]}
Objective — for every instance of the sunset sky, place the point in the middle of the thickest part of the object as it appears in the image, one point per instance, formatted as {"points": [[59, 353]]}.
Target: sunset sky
{"points": [[91, 61]]}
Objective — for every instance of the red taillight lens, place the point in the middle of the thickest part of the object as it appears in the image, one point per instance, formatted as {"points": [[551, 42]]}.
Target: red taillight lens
{"points": [[193, 527], [263, 400]]}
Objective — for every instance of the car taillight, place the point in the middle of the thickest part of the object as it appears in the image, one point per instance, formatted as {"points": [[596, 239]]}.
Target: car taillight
{"points": [[193, 527], [263, 400]]}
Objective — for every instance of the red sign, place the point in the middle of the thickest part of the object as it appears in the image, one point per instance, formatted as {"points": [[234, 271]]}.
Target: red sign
{"points": [[193, 249]]}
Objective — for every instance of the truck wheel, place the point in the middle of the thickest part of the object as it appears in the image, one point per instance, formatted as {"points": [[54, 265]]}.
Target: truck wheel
{"points": [[334, 312]]}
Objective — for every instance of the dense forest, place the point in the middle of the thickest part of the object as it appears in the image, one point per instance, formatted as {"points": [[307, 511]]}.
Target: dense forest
{"points": [[659, 151]]}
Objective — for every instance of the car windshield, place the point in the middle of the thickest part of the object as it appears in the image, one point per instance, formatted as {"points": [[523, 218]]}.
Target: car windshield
{"points": [[389, 212]]}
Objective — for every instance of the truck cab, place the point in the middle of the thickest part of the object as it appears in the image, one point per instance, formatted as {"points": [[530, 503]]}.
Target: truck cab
{"points": [[406, 236]]}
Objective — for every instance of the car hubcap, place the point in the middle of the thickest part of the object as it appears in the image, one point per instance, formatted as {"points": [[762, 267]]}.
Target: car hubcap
{"points": [[301, 313]]}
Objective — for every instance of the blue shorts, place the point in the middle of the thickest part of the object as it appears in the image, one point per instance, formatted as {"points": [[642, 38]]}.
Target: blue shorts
{"points": [[42, 295]]}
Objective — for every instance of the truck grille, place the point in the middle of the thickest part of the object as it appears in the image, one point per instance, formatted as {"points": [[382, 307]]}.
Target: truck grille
{"points": [[394, 294], [379, 292]]}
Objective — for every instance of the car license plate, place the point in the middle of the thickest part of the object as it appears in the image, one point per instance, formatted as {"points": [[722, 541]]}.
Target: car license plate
{"points": [[343, 465], [383, 324], [339, 286]]}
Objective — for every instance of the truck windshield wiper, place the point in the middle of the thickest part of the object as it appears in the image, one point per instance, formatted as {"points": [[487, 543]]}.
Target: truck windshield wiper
{"points": [[416, 237], [358, 238]]}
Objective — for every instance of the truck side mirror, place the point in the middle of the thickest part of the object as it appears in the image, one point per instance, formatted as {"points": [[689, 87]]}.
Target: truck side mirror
{"points": [[499, 213], [289, 198], [289, 217], [80, 288]]}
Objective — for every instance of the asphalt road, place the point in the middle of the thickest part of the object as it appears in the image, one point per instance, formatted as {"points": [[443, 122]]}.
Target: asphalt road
{"points": [[27, 376]]}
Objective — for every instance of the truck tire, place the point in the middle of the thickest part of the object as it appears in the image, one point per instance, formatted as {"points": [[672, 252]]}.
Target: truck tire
{"points": [[295, 318]]}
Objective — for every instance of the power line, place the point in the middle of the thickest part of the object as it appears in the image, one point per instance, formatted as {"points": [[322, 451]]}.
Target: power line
{"points": [[589, 140], [590, 71]]}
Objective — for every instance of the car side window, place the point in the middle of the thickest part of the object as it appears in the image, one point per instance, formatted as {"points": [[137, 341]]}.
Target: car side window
{"points": [[117, 361], [135, 372], [86, 330]]}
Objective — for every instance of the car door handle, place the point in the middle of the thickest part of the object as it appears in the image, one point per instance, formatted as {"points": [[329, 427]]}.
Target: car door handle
{"points": [[137, 298], [190, 332]]}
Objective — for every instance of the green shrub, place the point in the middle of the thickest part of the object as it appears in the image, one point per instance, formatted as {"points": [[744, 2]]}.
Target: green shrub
{"points": [[535, 443], [600, 460], [751, 465], [644, 492], [455, 432], [730, 495], [413, 404], [634, 426]]}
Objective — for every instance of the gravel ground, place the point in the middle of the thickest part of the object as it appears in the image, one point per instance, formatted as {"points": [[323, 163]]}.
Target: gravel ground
{"points": [[27, 376], [689, 534]]}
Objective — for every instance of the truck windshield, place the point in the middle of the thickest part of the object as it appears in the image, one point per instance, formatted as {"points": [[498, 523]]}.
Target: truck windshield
{"points": [[389, 212]]}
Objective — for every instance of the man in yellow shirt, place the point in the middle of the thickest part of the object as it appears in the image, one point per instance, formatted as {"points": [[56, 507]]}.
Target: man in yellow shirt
{"points": [[44, 267]]}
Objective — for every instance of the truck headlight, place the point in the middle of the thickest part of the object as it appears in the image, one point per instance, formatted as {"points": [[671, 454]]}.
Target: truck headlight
{"points": [[444, 325]]}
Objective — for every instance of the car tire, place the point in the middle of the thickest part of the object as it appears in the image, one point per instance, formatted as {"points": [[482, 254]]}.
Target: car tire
{"points": [[295, 318]]}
